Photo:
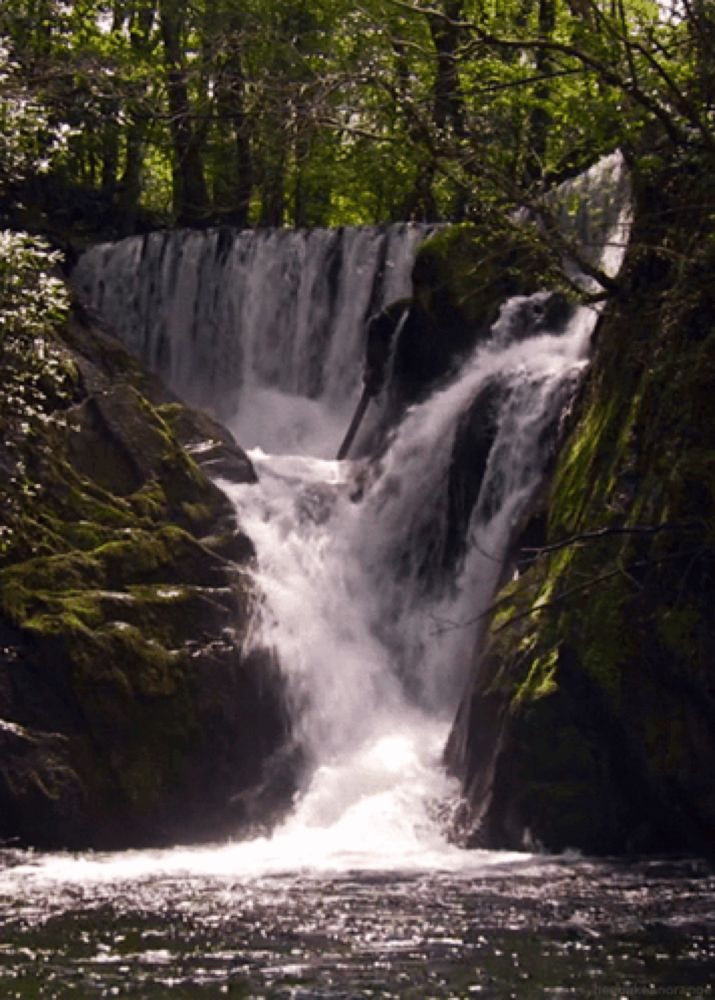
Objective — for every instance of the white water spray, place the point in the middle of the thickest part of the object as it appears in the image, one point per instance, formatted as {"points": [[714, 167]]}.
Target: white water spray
{"points": [[374, 628], [375, 640], [264, 328]]}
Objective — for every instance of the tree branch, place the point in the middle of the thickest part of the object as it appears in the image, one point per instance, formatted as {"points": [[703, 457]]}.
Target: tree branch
{"points": [[580, 587], [588, 536], [608, 73], [591, 582]]}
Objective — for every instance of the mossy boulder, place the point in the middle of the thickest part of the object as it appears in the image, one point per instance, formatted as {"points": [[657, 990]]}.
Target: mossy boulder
{"points": [[463, 273], [130, 710], [461, 277], [590, 721]]}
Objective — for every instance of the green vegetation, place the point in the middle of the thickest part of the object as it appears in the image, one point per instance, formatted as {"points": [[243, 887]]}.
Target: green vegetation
{"points": [[112, 608], [120, 115], [31, 298]]}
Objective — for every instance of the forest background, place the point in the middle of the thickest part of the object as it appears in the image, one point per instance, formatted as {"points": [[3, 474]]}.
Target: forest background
{"points": [[120, 116]]}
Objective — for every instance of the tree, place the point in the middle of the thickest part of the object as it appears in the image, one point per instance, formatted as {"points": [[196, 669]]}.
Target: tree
{"points": [[191, 201], [305, 112]]}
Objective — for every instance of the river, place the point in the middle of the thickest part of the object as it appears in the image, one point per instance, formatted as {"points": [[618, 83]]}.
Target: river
{"points": [[188, 924]]}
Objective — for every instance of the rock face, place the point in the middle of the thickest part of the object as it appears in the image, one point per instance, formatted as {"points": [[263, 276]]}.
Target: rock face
{"points": [[129, 711], [590, 722], [461, 277]]}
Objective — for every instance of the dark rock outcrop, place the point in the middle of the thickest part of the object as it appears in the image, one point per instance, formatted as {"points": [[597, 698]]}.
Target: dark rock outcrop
{"points": [[470, 454], [462, 276], [130, 711], [590, 722]]}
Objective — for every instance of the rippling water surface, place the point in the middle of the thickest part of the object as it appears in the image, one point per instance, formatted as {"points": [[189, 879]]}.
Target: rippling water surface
{"points": [[173, 925]]}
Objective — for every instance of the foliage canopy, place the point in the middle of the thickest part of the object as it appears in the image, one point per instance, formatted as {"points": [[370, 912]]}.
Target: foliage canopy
{"points": [[323, 112]]}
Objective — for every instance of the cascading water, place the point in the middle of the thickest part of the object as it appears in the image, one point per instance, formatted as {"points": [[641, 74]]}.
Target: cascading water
{"points": [[375, 577], [373, 626], [263, 328], [372, 633]]}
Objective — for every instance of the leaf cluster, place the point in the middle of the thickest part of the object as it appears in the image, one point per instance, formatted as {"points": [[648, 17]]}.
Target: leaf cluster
{"points": [[310, 112]]}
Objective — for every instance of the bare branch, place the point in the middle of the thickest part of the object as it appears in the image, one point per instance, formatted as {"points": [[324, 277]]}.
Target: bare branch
{"points": [[588, 583], [589, 536], [592, 582]]}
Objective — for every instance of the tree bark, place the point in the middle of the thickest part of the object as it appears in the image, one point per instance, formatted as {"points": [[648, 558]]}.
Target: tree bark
{"points": [[448, 101], [539, 117], [191, 202], [233, 186]]}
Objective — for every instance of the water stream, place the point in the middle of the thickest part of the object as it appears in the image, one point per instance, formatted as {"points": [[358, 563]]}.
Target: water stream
{"points": [[359, 892]]}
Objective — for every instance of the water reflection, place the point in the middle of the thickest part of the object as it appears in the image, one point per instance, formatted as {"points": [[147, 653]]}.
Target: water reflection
{"points": [[156, 925]]}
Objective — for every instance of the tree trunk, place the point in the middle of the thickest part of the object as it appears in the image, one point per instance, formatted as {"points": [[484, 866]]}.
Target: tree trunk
{"points": [[539, 117], [273, 190], [191, 202], [130, 183], [233, 185], [111, 130], [448, 101]]}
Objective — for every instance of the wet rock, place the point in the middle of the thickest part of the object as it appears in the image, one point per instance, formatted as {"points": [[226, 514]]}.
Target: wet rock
{"points": [[131, 712], [470, 454], [462, 276], [39, 788], [590, 719], [209, 443]]}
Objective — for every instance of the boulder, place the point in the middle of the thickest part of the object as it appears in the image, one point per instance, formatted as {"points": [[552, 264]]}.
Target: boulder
{"points": [[132, 710], [462, 276]]}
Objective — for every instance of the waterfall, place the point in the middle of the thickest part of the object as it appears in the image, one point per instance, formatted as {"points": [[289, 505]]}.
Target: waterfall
{"points": [[594, 212], [374, 632], [264, 328], [372, 609]]}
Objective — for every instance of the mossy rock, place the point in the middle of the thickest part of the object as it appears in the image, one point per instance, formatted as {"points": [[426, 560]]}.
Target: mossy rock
{"points": [[39, 784], [123, 577], [593, 711], [462, 276], [209, 443], [464, 273]]}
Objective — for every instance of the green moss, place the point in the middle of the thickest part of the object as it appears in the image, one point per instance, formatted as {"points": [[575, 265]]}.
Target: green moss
{"points": [[197, 513], [103, 575], [540, 680], [166, 555], [134, 695], [119, 656], [182, 477], [23, 585], [85, 535], [75, 498], [625, 646], [446, 264], [145, 662], [606, 641], [171, 413], [82, 606], [472, 269], [150, 501]]}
